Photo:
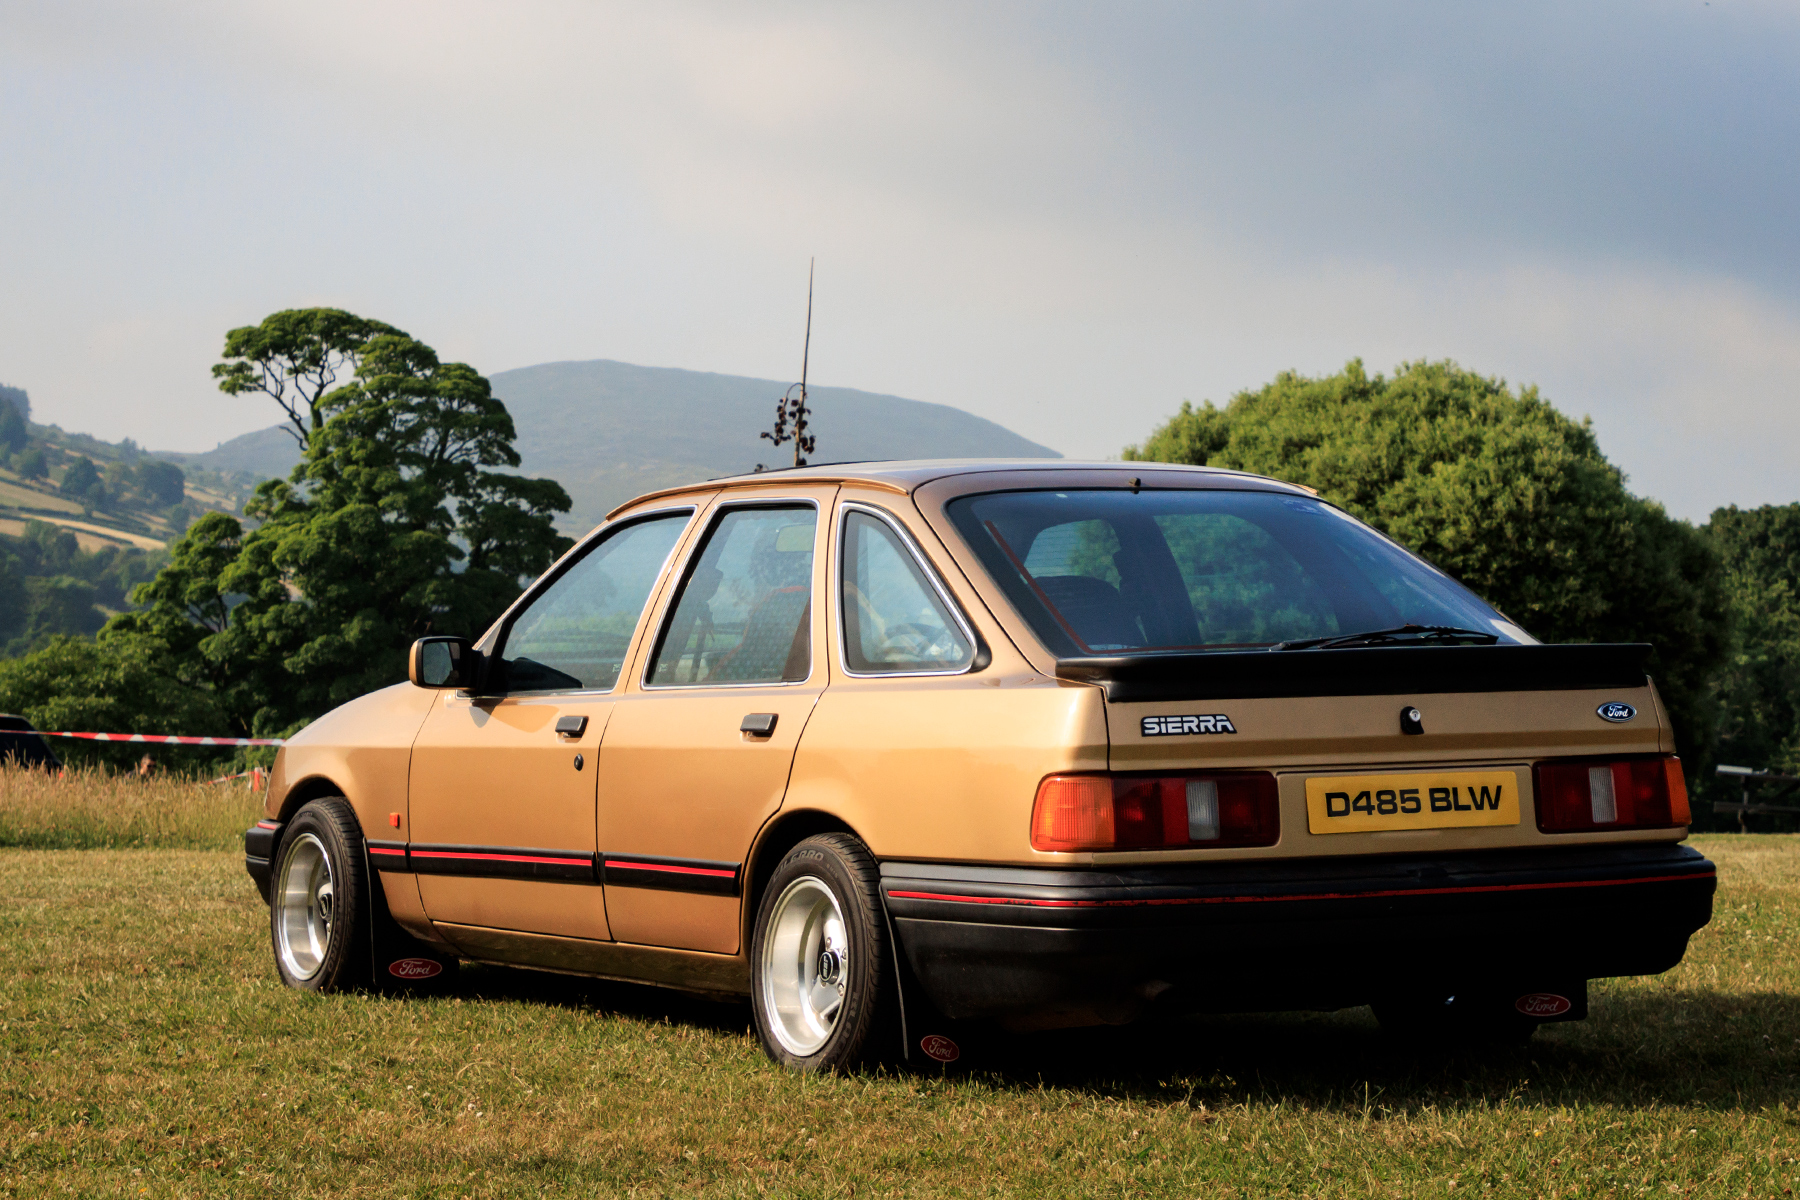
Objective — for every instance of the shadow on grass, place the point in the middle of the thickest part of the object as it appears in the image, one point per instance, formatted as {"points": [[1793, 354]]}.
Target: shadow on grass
{"points": [[1689, 1048], [1695, 1048], [484, 981]]}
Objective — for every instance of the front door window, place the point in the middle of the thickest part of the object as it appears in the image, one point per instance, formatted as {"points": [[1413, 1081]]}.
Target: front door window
{"points": [[744, 614], [574, 636]]}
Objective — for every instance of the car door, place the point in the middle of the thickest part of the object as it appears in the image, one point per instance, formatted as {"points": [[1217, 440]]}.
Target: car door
{"points": [[502, 786], [697, 751]]}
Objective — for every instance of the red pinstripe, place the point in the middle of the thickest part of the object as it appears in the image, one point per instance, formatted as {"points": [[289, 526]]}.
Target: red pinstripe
{"points": [[638, 866]]}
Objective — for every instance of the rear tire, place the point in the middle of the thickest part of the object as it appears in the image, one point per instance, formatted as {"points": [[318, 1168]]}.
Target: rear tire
{"points": [[319, 900], [821, 970]]}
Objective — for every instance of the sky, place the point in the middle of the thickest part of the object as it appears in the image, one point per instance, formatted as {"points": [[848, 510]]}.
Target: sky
{"points": [[1065, 218]]}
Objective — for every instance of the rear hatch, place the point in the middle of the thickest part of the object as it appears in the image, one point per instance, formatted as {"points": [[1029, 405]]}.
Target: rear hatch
{"points": [[1238, 625]]}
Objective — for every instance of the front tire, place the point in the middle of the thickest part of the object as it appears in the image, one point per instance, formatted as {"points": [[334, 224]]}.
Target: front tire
{"points": [[821, 970], [319, 900]]}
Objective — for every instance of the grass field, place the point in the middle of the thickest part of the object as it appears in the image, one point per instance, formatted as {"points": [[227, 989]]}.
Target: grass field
{"points": [[146, 1050], [91, 809]]}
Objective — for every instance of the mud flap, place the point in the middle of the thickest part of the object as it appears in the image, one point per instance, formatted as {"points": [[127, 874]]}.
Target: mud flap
{"points": [[399, 962], [928, 1039]]}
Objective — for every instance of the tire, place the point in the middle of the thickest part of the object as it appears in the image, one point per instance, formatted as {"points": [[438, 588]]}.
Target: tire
{"points": [[319, 900], [1469, 1021], [821, 971]]}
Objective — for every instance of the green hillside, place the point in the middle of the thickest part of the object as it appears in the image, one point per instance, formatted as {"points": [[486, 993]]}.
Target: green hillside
{"points": [[608, 431], [81, 522]]}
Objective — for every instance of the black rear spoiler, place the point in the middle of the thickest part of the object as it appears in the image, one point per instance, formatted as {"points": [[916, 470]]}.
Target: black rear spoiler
{"points": [[1362, 671]]}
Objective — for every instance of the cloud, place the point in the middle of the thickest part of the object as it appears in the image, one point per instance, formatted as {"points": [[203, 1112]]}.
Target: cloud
{"points": [[1062, 219]]}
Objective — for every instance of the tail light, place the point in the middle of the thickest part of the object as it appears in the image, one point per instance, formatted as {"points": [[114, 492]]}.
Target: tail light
{"points": [[1159, 812], [1589, 796]]}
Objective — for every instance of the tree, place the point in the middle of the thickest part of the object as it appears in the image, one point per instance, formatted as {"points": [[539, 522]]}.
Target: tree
{"points": [[31, 464], [13, 431], [79, 479], [18, 398], [80, 683], [1759, 690], [295, 357], [395, 524], [1498, 489], [160, 483], [50, 586]]}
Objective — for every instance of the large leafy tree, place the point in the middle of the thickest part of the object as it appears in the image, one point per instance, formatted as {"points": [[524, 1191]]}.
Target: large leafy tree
{"points": [[400, 520], [295, 358], [1497, 488]]}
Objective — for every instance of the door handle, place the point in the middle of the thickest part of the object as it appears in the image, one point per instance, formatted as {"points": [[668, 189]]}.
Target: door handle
{"points": [[758, 724], [571, 726]]}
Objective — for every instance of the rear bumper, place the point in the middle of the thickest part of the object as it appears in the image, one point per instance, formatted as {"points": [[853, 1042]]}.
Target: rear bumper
{"points": [[1325, 933]]}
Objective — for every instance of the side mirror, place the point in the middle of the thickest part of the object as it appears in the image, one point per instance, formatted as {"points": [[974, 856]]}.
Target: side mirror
{"points": [[441, 662]]}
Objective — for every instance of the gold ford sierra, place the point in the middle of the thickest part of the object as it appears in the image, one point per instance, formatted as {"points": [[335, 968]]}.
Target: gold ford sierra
{"points": [[907, 751]]}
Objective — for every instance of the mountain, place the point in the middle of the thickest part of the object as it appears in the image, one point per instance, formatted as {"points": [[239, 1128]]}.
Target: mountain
{"points": [[267, 454], [608, 431]]}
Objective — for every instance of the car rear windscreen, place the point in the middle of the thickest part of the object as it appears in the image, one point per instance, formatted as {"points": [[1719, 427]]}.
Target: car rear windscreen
{"points": [[1106, 571]]}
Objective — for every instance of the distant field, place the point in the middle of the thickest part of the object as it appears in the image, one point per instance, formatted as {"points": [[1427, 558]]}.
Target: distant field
{"points": [[145, 1049], [20, 496]]}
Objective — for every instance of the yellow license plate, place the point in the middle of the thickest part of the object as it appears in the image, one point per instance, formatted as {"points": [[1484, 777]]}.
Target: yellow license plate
{"points": [[1434, 800]]}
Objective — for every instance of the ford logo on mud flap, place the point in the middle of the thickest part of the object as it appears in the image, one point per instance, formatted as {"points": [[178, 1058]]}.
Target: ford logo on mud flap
{"points": [[940, 1047], [1616, 711], [1543, 1004], [415, 968]]}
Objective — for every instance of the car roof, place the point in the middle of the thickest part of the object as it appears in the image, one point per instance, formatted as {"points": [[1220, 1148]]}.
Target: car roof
{"points": [[906, 475]]}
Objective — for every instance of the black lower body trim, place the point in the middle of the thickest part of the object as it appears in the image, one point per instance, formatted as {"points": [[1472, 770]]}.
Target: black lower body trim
{"points": [[701, 875], [497, 862], [1321, 933], [387, 856]]}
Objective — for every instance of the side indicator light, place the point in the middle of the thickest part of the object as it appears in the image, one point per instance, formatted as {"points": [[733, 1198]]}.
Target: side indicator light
{"points": [[394, 820], [1155, 812]]}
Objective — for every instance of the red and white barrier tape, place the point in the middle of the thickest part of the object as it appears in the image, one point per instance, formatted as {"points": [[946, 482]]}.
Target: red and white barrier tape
{"points": [[164, 739]]}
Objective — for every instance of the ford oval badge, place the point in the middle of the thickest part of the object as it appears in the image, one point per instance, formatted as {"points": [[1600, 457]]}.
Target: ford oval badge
{"points": [[1543, 1004], [1616, 711]]}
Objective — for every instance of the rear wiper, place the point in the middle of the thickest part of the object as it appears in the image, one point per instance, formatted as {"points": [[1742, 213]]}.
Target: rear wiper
{"points": [[1402, 635]]}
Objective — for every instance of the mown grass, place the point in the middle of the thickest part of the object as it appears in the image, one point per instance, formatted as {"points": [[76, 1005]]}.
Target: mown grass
{"points": [[146, 1049], [89, 808]]}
